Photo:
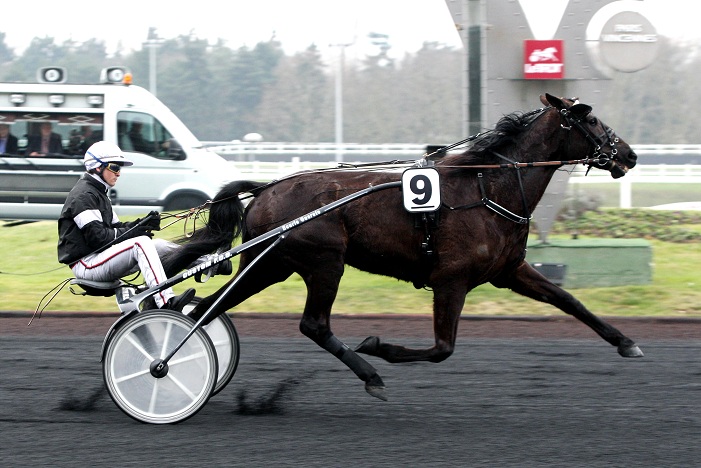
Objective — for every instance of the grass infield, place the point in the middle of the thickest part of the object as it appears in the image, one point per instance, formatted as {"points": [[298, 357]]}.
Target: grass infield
{"points": [[29, 269]]}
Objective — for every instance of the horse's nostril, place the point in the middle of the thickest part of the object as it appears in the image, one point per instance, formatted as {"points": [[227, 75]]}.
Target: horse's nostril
{"points": [[633, 156]]}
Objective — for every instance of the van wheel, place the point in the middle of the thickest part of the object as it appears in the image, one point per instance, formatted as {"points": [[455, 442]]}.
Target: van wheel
{"points": [[183, 202]]}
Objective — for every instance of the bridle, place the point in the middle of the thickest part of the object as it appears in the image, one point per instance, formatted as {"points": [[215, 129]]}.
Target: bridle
{"points": [[570, 120], [598, 158]]}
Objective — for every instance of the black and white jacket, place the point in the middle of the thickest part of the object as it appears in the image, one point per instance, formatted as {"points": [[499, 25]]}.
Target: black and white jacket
{"points": [[87, 221]]}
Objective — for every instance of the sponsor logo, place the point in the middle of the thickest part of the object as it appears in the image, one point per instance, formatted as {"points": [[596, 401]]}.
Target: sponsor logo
{"points": [[543, 60], [208, 264], [300, 220], [549, 54]]}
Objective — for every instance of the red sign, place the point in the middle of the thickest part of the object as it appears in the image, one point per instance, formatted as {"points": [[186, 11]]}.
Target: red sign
{"points": [[543, 60]]}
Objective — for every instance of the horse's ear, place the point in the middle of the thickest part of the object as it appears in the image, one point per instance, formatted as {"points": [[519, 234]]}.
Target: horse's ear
{"points": [[580, 110], [550, 100]]}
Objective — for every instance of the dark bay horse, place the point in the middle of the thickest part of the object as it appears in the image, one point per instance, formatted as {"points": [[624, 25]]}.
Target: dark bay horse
{"points": [[478, 235]]}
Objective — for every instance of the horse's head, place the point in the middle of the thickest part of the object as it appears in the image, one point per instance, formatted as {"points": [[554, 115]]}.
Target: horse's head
{"points": [[606, 150]]}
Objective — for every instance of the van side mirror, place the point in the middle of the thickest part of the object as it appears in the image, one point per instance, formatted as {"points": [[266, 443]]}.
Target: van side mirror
{"points": [[175, 151]]}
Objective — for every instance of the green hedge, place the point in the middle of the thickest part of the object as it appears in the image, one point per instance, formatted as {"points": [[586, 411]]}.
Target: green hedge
{"points": [[668, 226]]}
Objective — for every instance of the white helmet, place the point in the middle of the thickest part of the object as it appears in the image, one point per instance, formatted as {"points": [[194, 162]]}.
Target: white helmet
{"points": [[104, 152]]}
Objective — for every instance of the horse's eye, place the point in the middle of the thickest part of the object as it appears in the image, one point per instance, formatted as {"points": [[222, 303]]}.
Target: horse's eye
{"points": [[592, 121]]}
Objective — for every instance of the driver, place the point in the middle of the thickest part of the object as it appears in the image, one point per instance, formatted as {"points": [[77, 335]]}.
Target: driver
{"points": [[88, 224]]}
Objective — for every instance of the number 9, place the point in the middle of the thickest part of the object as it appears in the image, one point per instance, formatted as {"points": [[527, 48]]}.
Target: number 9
{"points": [[421, 185]]}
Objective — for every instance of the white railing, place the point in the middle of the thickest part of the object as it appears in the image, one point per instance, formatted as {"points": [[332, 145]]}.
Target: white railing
{"points": [[345, 150], [404, 150], [244, 154], [652, 174], [266, 171], [645, 150], [657, 174]]}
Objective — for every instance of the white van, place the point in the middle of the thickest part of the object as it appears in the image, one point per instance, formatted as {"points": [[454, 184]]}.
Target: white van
{"points": [[171, 171]]}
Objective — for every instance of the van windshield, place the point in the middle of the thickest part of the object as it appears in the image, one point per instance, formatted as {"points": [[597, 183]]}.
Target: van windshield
{"points": [[48, 134]]}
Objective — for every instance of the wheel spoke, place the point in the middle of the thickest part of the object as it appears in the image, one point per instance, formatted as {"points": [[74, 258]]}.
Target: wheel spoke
{"points": [[181, 386], [166, 339], [154, 397], [132, 376], [138, 346], [189, 358]]}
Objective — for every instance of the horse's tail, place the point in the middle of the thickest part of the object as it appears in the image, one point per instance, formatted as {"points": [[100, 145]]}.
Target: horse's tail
{"points": [[226, 223]]}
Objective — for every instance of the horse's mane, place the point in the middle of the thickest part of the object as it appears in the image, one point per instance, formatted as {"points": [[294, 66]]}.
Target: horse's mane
{"points": [[505, 133]]}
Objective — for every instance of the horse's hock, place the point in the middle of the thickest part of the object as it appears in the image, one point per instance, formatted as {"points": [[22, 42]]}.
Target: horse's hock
{"points": [[583, 263]]}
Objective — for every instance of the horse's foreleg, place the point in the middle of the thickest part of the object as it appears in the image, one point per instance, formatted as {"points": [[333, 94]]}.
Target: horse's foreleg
{"points": [[528, 282], [448, 301]]}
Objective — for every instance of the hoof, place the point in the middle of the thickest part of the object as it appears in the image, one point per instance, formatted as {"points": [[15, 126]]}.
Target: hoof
{"points": [[376, 391], [376, 387], [630, 351], [369, 346]]}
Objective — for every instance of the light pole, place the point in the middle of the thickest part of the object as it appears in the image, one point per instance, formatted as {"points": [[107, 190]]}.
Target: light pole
{"points": [[339, 99], [152, 42]]}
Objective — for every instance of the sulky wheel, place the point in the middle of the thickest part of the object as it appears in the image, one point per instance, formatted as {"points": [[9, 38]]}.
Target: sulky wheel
{"points": [[171, 395], [223, 334]]}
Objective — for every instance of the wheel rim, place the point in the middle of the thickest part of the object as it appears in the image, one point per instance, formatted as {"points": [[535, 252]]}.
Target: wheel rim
{"points": [[191, 373]]}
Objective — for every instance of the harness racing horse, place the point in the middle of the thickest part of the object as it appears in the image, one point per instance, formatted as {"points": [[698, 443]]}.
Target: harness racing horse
{"points": [[478, 235]]}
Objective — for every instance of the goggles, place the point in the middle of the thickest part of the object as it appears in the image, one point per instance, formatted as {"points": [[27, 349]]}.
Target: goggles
{"points": [[113, 167]]}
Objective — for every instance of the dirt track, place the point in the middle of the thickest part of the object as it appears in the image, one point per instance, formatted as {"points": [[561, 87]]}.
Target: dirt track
{"points": [[515, 393]]}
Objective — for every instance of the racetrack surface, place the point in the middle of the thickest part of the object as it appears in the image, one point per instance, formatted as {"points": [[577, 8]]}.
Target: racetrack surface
{"points": [[515, 393]]}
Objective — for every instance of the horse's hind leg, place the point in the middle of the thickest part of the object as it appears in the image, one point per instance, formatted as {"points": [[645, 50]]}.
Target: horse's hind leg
{"points": [[322, 286], [530, 283]]}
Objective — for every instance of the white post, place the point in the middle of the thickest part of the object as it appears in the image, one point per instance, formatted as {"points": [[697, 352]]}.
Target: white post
{"points": [[339, 101], [152, 69], [152, 43], [626, 192]]}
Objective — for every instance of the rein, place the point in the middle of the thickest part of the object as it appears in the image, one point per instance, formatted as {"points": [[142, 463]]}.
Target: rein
{"points": [[189, 216], [516, 165]]}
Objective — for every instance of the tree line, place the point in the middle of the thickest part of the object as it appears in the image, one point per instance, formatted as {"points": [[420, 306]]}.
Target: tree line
{"points": [[222, 93]]}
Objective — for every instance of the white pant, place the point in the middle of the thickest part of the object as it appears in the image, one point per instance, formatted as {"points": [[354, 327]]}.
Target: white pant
{"points": [[126, 257]]}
